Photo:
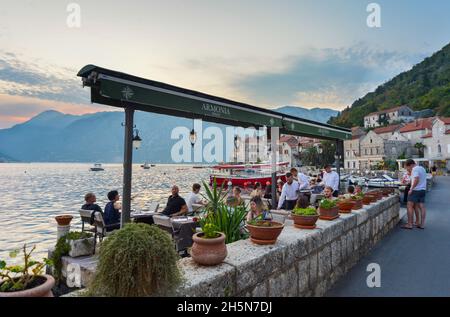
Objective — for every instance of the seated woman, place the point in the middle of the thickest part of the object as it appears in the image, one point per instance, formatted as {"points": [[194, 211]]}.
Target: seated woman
{"points": [[236, 199], [112, 213], [257, 191], [328, 193], [90, 204], [302, 202], [257, 208], [358, 189]]}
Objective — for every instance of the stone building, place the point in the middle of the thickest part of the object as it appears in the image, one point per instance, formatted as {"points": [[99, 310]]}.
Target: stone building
{"points": [[397, 114], [437, 143]]}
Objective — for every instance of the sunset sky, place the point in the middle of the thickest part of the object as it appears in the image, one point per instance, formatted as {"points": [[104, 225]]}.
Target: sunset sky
{"points": [[267, 53]]}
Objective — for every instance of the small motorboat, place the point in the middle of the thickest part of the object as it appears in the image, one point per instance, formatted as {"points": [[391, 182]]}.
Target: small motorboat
{"points": [[145, 166], [97, 167], [357, 180], [384, 181]]}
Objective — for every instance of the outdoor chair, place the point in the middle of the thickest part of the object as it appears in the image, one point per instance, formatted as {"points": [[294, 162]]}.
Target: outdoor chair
{"points": [[153, 206], [86, 218], [100, 228]]}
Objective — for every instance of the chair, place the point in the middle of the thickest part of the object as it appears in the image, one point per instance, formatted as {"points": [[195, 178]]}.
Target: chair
{"points": [[100, 228], [153, 206], [86, 218]]}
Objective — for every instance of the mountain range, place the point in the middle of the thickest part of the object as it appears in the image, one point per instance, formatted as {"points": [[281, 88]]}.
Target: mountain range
{"points": [[425, 86], [52, 136]]}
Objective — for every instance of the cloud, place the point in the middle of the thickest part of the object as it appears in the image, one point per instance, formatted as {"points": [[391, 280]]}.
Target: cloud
{"points": [[327, 77], [34, 78]]}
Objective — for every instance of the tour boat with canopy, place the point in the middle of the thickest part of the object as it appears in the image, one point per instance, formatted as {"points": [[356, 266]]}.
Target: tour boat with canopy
{"points": [[246, 175]]}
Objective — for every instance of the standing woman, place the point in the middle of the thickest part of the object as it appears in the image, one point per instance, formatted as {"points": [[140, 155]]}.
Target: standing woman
{"points": [[406, 180]]}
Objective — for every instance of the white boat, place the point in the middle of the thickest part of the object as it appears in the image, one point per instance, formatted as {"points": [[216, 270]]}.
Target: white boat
{"points": [[145, 166], [357, 180], [384, 181], [97, 167]]}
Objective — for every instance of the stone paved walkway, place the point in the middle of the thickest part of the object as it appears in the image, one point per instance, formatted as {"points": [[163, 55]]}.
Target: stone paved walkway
{"points": [[413, 262]]}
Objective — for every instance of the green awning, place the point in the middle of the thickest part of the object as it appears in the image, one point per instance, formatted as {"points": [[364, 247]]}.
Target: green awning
{"points": [[120, 90]]}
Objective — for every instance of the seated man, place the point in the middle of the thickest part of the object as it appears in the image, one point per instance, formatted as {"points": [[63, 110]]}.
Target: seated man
{"points": [[194, 198], [328, 193], [350, 192], [112, 213], [176, 205], [90, 204]]}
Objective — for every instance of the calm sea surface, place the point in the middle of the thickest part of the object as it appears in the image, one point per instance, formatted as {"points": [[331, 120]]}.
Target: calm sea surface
{"points": [[33, 194]]}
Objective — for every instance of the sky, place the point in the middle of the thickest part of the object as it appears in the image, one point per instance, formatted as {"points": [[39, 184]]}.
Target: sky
{"points": [[267, 53]]}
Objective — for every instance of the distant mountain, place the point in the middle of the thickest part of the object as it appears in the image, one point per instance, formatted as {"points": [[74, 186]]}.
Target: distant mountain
{"points": [[315, 114], [6, 159], [52, 136], [425, 86]]}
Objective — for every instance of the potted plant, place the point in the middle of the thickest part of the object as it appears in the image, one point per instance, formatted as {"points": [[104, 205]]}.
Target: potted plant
{"points": [[63, 220], [264, 231], [305, 218], [358, 202], [209, 245], [345, 205], [73, 244], [368, 199], [328, 209], [377, 193], [25, 280], [135, 261]]}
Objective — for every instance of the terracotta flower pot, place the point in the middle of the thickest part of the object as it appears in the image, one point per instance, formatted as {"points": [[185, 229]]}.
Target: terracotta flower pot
{"points": [[265, 234], [42, 290], [329, 214], [305, 222], [208, 251], [345, 206], [378, 194], [63, 220], [369, 198], [358, 204]]}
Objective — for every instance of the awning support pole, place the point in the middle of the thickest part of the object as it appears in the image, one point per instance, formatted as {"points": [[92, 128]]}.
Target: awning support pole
{"points": [[127, 166], [274, 134]]}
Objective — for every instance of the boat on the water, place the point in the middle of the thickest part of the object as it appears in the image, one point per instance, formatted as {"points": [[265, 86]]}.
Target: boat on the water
{"points": [[97, 167], [145, 166], [243, 175], [384, 181]]}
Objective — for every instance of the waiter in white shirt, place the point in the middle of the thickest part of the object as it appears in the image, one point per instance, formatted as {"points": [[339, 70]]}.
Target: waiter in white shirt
{"points": [[301, 178], [289, 193], [331, 178]]}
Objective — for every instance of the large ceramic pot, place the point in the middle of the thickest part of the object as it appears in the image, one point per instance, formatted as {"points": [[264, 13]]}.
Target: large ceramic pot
{"points": [[345, 206], [208, 251], [63, 220], [305, 222], [328, 214], [265, 234], [358, 204], [43, 288]]}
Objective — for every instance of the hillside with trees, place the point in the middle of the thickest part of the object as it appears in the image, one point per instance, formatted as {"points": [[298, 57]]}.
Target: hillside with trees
{"points": [[425, 86]]}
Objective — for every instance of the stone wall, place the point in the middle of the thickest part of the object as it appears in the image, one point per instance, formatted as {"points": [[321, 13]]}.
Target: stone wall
{"points": [[301, 263]]}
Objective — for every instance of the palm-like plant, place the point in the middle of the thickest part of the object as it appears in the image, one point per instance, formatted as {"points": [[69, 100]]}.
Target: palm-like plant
{"points": [[214, 195], [228, 220]]}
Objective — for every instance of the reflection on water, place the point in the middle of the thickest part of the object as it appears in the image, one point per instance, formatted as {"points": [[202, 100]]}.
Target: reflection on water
{"points": [[33, 194]]}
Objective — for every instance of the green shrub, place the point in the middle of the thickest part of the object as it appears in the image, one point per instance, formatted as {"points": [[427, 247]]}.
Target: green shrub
{"points": [[308, 211], [62, 248], [327, 203], [137, 260]]}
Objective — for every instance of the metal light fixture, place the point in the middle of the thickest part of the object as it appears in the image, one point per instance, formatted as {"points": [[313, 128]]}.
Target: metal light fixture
{"points": [[193, 137], [137, 140]]}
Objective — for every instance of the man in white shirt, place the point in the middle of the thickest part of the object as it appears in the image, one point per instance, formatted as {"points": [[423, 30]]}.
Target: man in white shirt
{"points": [[416, 195], [289, 193], [301, 178], [331, 178], [193, 198]]}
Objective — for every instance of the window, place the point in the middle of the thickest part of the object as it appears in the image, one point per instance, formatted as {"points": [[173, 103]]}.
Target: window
{"points": [[439, 149], [365, 151], [448, 148], [348, 164], [371, 152], [354, 164], [370, 140], [348, 153], [378, 150]]}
